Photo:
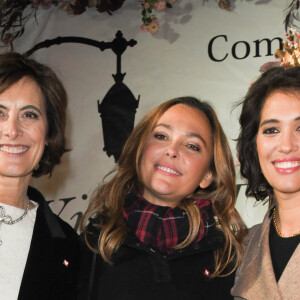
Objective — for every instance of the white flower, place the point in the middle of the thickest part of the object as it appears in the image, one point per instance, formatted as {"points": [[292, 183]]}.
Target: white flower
{"points": [[293, 30]]}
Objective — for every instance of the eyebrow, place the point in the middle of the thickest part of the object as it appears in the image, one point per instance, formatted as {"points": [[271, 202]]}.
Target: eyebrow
{"points": [[192, 134], [24, 108], [268, 122], [275, 121], [31, 107]]}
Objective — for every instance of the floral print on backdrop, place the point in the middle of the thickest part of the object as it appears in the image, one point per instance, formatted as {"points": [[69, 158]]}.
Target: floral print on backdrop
{"points": [[289, 56], [15, 13], [150, 21]]}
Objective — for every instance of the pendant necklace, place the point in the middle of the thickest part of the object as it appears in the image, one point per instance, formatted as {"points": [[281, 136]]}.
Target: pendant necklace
{"points": [[6, 219]]}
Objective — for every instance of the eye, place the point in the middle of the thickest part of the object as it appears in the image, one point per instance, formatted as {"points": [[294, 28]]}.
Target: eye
{"points": [[270, 130], [160, 136], [2, 113], [31, 115], [193, 147]]}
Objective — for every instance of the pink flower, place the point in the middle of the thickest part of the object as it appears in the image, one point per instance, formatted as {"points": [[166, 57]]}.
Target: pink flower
{"points": [[44, 3], [237, 163], [269, 65], [160, 5], [145, 28], [153, 26], [146, 5]]}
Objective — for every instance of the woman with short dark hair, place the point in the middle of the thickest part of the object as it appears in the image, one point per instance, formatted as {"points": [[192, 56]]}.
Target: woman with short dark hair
{"points": [[269, 152], [40, 254]]}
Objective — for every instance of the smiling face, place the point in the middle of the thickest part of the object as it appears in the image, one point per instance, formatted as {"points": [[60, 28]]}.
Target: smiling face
{"points": [[177, 156], [278, 142], [23, 126]]}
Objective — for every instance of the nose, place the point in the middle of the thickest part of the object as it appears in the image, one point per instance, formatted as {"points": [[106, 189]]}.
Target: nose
{"points": [[11, 128], [287, 143], [172, 151]]}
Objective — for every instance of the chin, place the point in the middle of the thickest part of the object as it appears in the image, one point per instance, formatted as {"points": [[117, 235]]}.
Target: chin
{"points": [[288, 189], [15, 173]]}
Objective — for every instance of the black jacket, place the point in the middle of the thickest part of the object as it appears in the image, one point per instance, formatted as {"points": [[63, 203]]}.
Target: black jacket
{"points": [[54, 244], [139, 272]]}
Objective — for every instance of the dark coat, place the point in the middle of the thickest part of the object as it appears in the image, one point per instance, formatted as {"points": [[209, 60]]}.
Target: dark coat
{"points": [[139, 272], [46, 277]]}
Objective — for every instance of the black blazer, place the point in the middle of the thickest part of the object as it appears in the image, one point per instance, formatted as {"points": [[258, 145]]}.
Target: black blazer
{"points": [[54, 258]]}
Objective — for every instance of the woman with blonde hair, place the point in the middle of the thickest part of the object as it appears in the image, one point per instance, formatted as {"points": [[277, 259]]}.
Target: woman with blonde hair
{"points": [[165, 226]]}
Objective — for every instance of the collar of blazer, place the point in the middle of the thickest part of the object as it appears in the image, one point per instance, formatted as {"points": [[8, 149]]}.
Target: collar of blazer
{"points": [[46, 275], [54, 228], [255, 278]]}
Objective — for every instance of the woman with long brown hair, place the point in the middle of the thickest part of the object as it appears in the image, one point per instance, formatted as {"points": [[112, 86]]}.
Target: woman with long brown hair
{"points": [[165, 226]]}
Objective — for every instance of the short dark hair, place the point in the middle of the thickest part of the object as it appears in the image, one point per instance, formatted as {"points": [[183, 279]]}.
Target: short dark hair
{"points": [[14, 67], [275, 79]]}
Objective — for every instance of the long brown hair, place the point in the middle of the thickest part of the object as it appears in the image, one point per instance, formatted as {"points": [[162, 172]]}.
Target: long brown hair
{"points": [[107, 201]]}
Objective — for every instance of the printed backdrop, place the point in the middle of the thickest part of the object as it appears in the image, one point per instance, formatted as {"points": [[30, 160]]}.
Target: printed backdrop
{"points": [[200, 50]]}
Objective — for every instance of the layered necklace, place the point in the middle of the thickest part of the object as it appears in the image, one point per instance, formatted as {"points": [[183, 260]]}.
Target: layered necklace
{"points": [[276, 226], [6, 219]]}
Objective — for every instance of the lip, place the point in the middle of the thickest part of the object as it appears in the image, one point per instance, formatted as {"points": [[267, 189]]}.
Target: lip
{"points": [[287, 165], [14, 150], [167, 169]]}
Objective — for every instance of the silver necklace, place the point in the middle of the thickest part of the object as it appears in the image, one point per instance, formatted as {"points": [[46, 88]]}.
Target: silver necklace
{"points": [[6, 219]]}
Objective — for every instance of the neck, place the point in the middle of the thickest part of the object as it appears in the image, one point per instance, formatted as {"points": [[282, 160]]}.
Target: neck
{"points": [[288, 214], [161, 201], [13, 191]]}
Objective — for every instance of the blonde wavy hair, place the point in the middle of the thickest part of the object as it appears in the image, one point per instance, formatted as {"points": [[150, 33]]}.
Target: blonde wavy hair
{"points": [[108, 200]]}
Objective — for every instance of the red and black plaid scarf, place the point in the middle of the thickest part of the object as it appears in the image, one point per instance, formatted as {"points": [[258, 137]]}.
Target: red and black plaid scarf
{"points": [[163, 227]]}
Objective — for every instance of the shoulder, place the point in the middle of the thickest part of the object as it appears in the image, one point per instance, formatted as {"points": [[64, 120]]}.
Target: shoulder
{"points": [[49, 221], [92, 232], [67, 228], [256, 231], [252, 233], [254, 242]]}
